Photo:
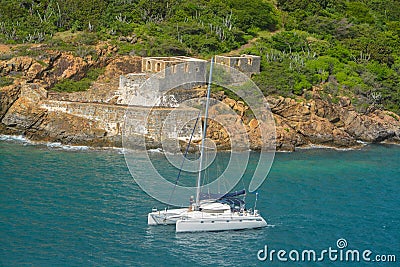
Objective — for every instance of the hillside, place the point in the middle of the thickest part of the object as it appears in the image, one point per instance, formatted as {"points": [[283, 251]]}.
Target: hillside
{"points": [[329, 60]]}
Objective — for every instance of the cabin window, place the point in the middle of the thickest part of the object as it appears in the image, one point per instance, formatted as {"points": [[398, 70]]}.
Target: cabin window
{"points": [[158, 66], [250, 61], [148, 65]]}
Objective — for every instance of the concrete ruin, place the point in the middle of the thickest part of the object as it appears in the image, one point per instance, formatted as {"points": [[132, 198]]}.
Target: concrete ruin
{"points": [[169, 74], [166, 73], [248, 64]]}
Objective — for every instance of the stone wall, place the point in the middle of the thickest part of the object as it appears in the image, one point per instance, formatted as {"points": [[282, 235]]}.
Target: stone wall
{"points": [[155, 124], [169, 75], [247, 64], [166, 74], [128, 89]]}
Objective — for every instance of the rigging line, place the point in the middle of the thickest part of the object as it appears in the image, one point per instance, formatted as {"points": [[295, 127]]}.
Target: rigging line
{"points": [[184, 156]]}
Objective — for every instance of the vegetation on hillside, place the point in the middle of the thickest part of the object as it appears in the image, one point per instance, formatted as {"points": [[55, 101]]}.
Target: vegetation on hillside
{"points": [[166, 27], [349, 47], [70, 85]]}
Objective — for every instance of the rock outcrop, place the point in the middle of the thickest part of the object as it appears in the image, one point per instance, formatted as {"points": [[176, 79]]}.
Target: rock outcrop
{"points": [[90, 118], [302, 123]]}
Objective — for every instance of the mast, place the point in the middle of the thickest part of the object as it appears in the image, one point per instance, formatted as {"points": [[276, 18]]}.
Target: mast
{"points": [[203, 138]]}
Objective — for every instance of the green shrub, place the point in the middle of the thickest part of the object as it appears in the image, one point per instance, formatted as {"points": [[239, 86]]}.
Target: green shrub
{"points": [[301, 86], [5, 81], [69, 85], [86, 38]]}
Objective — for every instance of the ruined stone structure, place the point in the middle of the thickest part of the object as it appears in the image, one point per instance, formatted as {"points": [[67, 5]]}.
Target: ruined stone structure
{"points": [[160, 64], [128, 89], [166, 73], [247, 64], [171, 73], [143, 121]]}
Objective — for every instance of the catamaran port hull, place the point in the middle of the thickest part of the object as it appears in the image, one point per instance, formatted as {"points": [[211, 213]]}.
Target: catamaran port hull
{"points": [[164, 217]]}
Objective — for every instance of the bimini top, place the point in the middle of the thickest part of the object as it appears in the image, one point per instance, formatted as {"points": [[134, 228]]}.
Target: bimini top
{"points": [[234, 194], [236, 204]]}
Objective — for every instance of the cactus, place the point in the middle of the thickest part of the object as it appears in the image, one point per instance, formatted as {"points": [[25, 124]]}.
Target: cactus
{"points": [[363, 58], [122, 19]]}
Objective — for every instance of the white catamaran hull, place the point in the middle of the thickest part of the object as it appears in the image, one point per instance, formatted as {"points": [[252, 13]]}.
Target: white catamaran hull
{"points": [[165, 216], [220, 224], [214, 217]]}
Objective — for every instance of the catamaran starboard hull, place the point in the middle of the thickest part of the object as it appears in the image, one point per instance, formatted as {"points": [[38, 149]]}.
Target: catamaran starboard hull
{"points": [[219, 224]]}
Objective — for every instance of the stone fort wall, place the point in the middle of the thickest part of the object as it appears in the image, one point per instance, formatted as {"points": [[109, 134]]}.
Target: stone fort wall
{"points": [[169, 73], [142, 120], [247, 64]]}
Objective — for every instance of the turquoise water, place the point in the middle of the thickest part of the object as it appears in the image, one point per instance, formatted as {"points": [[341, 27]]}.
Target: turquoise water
{"points": [[82, 208]]}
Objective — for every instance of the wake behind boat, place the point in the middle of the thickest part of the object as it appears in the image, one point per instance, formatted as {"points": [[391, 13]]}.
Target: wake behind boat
{"points": [[207, 212]]}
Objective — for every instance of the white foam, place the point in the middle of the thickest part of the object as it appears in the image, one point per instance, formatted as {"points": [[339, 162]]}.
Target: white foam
{"points": [[391, 143], [313, 146], [52, 145], [58, 145], [11, 137], [16, 138], [55, 145], [155, 150]]}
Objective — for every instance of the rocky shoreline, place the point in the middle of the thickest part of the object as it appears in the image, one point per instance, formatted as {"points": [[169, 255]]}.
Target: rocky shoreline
{"points": [[88, 118], [66, 147]]}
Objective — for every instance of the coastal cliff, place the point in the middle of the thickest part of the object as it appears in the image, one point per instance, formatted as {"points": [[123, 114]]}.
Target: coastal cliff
{"points": [[28, 106]]}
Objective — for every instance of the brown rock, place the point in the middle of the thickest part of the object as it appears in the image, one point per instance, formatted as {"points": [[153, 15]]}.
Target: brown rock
{"points": [[34, 70], [4, 49], [288, 108], [326, 110], [343, 139], [17, 64], [230, 102], [26, 111], [8, 95], [344, 101], [253, 124], [123, 65], [321, 131], [241, 107], [68, 129], [373, 127], [287, 138]]}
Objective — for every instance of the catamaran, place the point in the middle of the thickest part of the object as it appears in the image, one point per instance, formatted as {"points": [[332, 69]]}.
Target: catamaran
{"points": [[209, 212]]}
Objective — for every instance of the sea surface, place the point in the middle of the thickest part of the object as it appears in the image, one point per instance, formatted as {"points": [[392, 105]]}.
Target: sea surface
{"points": [[63, 206]]}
